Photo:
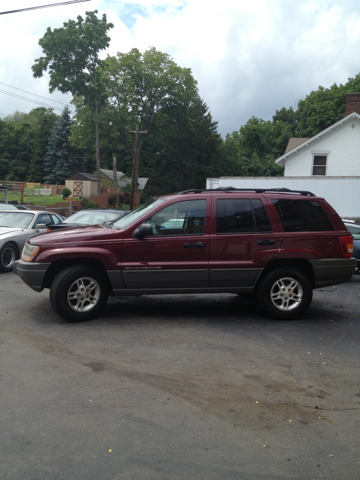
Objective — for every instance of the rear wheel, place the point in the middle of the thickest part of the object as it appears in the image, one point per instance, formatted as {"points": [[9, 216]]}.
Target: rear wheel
{"points": [[8, 255], [78, 293], [285, 293]]}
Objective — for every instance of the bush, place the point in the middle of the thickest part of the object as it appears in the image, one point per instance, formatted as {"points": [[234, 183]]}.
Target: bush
{"points": [[124, 199], [65, 192], [86, 203]]}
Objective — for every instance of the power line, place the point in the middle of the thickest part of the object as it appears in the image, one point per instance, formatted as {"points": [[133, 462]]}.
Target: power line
{"points": [[36, 102], [45, 6], [46, 98]]}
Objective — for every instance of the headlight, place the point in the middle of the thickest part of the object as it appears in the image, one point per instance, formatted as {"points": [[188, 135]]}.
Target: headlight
{"points": [[29, 252]]}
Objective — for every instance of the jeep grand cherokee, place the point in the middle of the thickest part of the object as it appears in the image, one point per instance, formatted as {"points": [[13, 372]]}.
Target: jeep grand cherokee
{"points": [[276, 244]]}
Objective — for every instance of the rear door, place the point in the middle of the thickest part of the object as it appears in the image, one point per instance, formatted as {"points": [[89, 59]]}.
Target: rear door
{"points": [[242, 240], [308, 231]]}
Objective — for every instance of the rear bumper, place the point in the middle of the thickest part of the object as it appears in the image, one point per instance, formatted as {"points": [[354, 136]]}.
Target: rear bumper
{"points": [[31, 273], [332, 271]]}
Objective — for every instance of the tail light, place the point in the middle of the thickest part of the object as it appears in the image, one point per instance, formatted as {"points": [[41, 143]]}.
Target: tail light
{"points": [[347, 246]]}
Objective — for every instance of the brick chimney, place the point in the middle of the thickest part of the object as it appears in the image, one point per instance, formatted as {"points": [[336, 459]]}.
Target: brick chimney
{"points": [[352, 103]]}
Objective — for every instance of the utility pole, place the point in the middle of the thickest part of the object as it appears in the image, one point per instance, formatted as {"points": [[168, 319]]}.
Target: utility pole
{"points": [[134, 176], [115, 186]]}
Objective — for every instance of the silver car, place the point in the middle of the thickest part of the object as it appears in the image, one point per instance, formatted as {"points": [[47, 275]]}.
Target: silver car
{"points": [[16, 226]]}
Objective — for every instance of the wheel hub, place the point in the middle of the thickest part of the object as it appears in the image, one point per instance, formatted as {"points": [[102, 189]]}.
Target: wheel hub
{"points": [[83, 294], [286, 294]]}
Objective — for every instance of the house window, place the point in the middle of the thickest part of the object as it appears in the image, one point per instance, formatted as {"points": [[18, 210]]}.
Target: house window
{"points": [[319, 166]]}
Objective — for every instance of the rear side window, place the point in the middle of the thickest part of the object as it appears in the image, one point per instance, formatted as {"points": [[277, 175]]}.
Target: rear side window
{"points": [[241, 215], [302, 216]]}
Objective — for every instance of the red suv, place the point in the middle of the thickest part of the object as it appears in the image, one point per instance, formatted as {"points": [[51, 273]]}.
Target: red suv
{"points": [[276, 244]]}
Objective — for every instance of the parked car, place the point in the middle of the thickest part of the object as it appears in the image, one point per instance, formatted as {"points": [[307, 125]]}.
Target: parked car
{"points": [[21, 207], [7, 206], [353, 228], [89, 216], [356, 254], [277, 245], [12, 206], [16, 226]]}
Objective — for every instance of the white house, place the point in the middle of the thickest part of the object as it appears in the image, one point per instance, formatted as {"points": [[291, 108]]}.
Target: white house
{"points": [[327, 164]]}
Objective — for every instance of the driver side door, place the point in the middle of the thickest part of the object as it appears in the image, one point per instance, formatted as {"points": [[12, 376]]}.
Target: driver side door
{"points": [[176, 256]]}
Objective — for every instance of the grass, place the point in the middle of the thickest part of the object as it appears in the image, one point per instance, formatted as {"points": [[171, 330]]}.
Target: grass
{"points": [[35, 199], [45, 200]]}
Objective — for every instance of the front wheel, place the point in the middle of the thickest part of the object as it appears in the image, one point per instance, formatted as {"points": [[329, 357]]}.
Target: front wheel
{"points": [[78, 293], [285, 293], [8, 255]]}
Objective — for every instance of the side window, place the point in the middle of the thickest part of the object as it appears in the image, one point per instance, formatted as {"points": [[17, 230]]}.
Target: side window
{"points": [[302, 216], [55, 219], [181, 218], [241, 215], [43, 218]]}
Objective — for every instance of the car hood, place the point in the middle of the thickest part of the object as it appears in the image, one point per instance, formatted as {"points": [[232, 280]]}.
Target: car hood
{"points": [[11, 231], [75, 235]]}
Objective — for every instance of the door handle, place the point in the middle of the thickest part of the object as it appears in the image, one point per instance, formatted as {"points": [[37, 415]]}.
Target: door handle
{"points": [[266, 242], [194, 245]]}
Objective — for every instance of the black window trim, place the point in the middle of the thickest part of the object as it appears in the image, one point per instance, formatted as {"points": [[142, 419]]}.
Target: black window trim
{"points": [[256, 232]]}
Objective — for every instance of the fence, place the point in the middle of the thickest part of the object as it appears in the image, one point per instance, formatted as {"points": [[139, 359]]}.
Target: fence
{"points": [[37, 191], [40, 189]]}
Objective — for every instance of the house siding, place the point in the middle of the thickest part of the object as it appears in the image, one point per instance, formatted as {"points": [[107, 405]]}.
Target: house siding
{"points": [[342, 148], [343, 194]]}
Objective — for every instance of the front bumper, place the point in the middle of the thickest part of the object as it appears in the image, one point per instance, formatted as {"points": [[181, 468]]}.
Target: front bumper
{"points": [[31, 273], [332, 271]]}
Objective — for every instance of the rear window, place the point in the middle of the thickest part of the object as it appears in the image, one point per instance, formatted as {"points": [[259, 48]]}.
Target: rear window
{"points": [[241, 215], [302, 216]]}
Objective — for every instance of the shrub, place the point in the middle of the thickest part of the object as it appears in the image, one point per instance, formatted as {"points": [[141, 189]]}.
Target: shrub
{"points": [[124, 199], [86, 203], [65, 192]]}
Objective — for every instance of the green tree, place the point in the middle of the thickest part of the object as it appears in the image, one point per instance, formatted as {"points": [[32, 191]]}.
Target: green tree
{"points": [[62, 159], [15, 150], [72, 59], [43, 120], [181, 150], [140, 86], [83, 138]]}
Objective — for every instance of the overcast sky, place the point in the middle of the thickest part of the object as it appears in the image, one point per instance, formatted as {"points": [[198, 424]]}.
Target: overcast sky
{"points": [[249, 57]]}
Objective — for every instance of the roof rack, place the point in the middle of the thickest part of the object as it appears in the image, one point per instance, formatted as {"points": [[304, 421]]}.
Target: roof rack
{"points": [[256, 190]]}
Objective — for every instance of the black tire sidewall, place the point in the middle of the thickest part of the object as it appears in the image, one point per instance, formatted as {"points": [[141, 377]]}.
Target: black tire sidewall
{"points": [[263, 293], [4, 268], [60, 287]]}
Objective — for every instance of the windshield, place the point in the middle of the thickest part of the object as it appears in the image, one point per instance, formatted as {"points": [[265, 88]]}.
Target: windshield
{"points": [[15, 220], [131, 217], [91, 217]]}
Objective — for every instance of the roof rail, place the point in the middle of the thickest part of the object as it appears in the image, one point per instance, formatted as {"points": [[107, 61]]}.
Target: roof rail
{"points": [[256, 190]]}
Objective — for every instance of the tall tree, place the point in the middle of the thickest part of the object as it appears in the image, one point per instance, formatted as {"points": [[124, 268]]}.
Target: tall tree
{"points": [[62, 159], [72, 58], [15, 150], [140, 86], [43, 122]]}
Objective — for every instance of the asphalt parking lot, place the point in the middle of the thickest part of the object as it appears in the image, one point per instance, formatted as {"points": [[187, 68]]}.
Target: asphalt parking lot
{"points": [[179, 387]]}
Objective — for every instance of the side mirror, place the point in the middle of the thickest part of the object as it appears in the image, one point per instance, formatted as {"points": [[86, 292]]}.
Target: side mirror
{"points": [[40, 226], [144, 230]]}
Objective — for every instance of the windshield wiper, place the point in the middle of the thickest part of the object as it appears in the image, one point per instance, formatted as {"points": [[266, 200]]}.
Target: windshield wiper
{"points": [[107, 224]]}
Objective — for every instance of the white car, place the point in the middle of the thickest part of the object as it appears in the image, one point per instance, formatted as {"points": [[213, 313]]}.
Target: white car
{"points": [[16, 226]]}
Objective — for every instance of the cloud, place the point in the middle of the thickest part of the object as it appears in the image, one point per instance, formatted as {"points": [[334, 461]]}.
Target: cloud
{"points": [[249, 58]]}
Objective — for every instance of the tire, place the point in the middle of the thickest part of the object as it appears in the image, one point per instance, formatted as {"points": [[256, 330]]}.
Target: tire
{"points": [[285, 294], [8, 254], [78, 293]]}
